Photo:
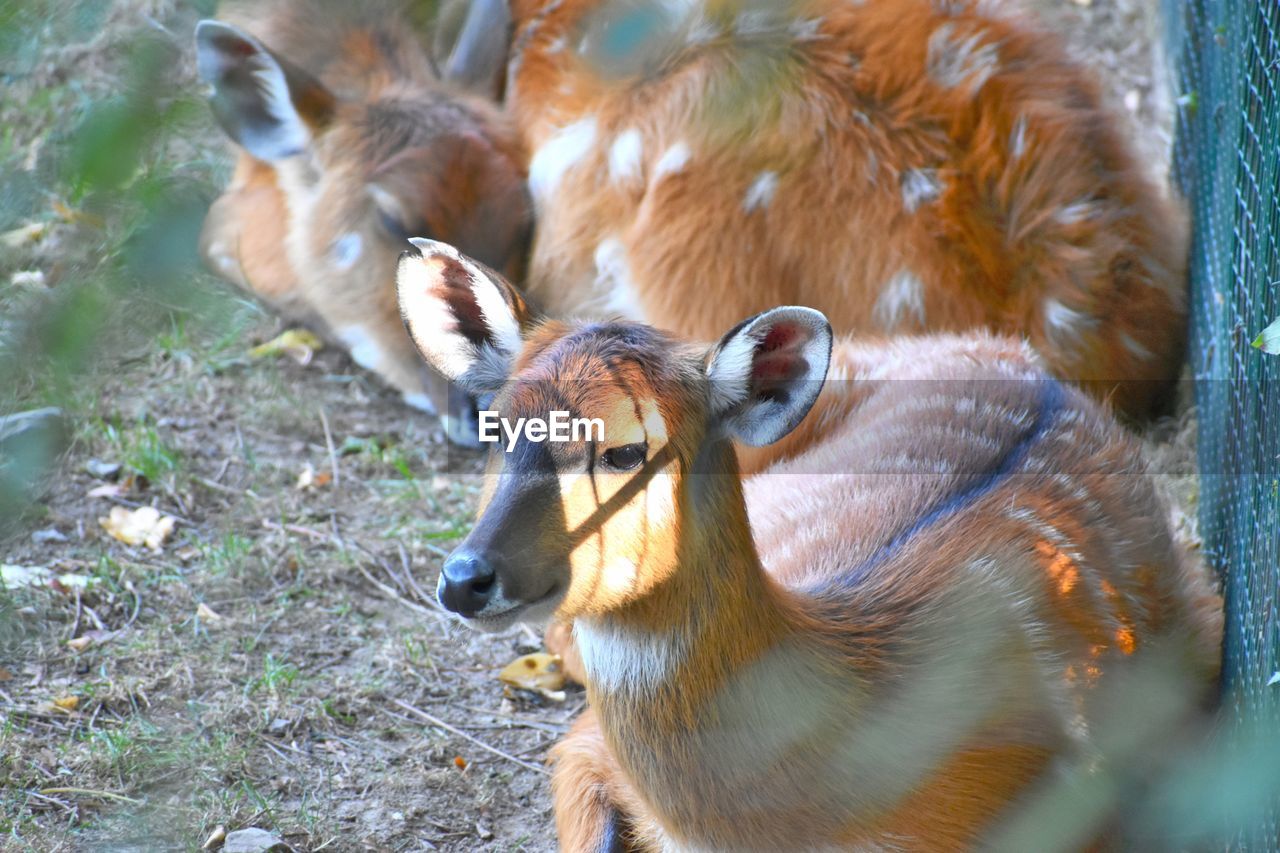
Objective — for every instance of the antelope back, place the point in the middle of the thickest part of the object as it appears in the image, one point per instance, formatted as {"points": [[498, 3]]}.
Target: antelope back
{"points": [[972, 565], [350, 143], [901, 165]]}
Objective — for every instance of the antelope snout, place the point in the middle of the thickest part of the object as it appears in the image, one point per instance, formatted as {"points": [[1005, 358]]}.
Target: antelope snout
{"points": [[468, 582]]}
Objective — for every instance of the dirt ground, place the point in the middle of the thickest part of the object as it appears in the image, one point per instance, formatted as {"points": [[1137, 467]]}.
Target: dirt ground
{"points": [[275, 662]]}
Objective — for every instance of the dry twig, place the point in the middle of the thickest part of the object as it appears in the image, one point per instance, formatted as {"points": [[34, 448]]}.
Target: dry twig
{"points": [[436, 721]]}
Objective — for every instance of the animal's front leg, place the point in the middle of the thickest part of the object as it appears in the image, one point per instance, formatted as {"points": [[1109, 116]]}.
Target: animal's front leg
{"points": [[596, 809]]}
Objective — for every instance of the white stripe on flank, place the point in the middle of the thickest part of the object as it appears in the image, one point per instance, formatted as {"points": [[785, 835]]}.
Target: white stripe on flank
{"points": [[672, 161], [761, 192], [624, 156], [918, 187], [955, 61], [1018, 138], [1138, 350], [902, 298], [614, 282], [1065, 325]]}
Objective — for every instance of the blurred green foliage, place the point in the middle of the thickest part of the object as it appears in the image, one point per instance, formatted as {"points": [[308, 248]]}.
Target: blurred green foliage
{"points": [[106, 169]]}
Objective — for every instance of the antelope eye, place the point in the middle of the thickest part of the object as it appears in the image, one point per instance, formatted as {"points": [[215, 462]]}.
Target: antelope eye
{"points": [[392, 216], [393, 226], [628, 457]]}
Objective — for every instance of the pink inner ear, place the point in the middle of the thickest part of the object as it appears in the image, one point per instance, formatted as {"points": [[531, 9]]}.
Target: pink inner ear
{"points": [[779, 356], [779, 336]]}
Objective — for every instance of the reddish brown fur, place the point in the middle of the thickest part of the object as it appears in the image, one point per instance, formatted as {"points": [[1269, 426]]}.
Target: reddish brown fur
{"points": [[1065, 242], [446, 162], [842, 118], [919, 611], [1042, 591]]}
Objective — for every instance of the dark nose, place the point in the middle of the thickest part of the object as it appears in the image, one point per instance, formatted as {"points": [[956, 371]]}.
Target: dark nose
{"points": [[467, 582]]}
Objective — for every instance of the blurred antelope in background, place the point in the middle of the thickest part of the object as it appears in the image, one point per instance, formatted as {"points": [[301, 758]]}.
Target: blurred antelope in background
{"points": [[887, 639], [351, 142], [901, 165]]}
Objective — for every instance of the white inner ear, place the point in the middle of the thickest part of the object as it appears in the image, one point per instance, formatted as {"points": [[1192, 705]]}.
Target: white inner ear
{"points": [[292, 135], [733, 371], [288, 134], [434, 327], [730, 371]]}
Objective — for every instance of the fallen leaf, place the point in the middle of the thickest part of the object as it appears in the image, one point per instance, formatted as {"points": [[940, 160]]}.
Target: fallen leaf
{"points": [[460, 762], [143, 526], [215, 838], [65, 583], [77, 217], [1269, 339], [108, 490], [89, 639], [207, 613], [539, 673], [5, 675], [307, 479], [32, 232], [67, 703], [28, 278], [298, 344], [15, 577]]}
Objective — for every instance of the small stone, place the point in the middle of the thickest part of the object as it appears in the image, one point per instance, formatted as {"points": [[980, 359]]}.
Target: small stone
{"points": [[253, 840], [49, 534], [102, 470]]}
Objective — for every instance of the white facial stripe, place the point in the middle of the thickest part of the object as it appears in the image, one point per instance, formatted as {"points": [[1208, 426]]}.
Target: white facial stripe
{"points": [[428, 316]]}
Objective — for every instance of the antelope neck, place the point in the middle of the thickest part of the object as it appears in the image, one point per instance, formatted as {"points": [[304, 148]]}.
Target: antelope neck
{"points": [[717, 612]]}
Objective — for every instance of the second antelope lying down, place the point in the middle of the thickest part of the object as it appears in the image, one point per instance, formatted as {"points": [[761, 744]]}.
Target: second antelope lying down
{"points": [[889, 637], [905, 166]]}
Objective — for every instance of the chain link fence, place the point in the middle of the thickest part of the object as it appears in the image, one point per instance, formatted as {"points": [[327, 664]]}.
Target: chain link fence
{"points": [[1226, 58]]}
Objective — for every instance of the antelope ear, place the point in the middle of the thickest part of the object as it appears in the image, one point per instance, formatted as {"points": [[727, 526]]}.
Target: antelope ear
{"points": [[766, 372], [478, 60], [269, 106], [465, 319]]}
